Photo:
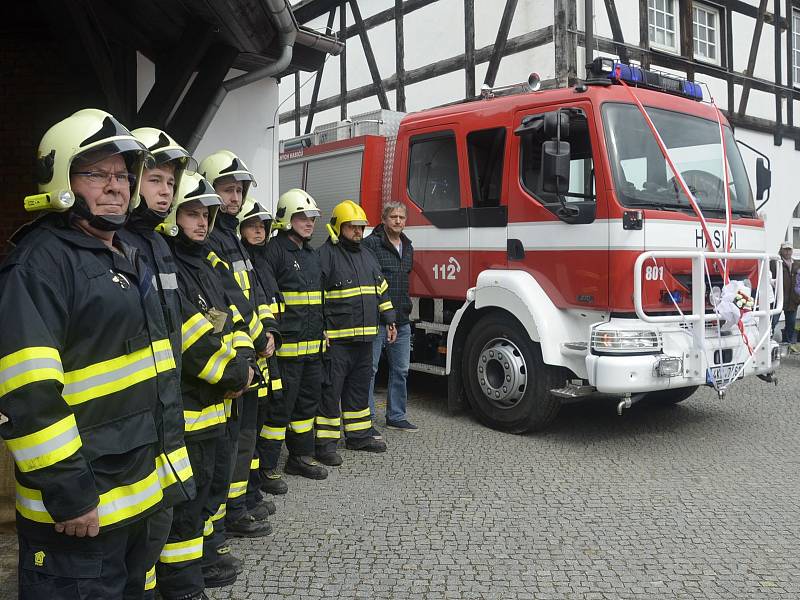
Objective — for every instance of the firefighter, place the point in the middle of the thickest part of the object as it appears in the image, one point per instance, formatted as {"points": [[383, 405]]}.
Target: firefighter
{"points": [[254, 229], [295, 268], [214, 372], [81, 365], [231, 180], [157, 188], [355, 300]]}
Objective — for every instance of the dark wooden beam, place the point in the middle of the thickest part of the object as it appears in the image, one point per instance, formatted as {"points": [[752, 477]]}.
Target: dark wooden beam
{"points": [[565, 44], [644, 33], [385, 16], [343, 61], [751, 61], [399, 56], [173, 74], [297, 102], [777, 134], [318, 79], [88, 31], [211, 73], [469, 48], [761, 125], [515, 45], [372, 64], [500, 42], [308, 10], [616, 30], [687, 33]]}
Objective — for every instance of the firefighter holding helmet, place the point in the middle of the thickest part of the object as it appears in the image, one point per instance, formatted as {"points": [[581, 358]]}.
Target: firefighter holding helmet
{"points": [[355, 303], [81, 375], [295, 268]]}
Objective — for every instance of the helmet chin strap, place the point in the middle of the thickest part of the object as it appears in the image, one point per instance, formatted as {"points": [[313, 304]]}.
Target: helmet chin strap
{"points": [[102, 222]]}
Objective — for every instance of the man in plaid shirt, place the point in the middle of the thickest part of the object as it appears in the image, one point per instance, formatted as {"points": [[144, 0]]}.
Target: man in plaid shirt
{"points": [[395, 255]]}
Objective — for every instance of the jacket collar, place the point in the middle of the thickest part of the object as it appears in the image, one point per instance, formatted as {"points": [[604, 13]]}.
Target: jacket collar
{"points": [[380, 232], [283, 240]]}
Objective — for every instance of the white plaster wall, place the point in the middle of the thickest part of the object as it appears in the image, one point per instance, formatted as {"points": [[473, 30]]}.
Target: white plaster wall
{"points": [[243, 124]]}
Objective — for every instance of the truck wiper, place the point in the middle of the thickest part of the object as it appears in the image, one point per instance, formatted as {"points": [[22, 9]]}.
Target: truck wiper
{"points": [[658, 205]]}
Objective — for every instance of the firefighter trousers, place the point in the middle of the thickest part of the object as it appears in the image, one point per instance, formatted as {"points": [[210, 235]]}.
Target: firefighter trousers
{"points": [[217, 502], [55, 566], [290, 416], [179, 572], [347, 369], [248, 432], [157, 534]]}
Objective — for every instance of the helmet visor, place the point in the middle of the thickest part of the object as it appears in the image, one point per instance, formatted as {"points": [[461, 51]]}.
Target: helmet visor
{"points": [[103, 151], [186, 162], [308, 213]]}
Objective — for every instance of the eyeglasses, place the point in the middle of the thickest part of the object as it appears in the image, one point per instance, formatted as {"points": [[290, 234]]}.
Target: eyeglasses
{"points": [[103, 178]]}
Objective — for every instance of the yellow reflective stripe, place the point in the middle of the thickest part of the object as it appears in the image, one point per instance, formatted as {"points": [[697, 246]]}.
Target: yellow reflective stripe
{"points": [[31, 506], [241, 340], [150, 579], [128, 501], [236, 316], [228, 404], [215, 366], [29, 365], [324, 433], [243, 280], [327, 421], [221, 512], [281, 307], [301, 426], [383, 286], [46, 446], [202, 419], [276, 384], [384, 306], [273, 433], [216, 260], [363, 290], [193, 329], [302, 298], [255, 327], [356, 414], [238, 488], [177, 462], [273, 308], [262, 391], [182, 551], [255, 464], [116, 374], [358, 425], [351, 332], [208, 528], [298, 348], [265, 312]]}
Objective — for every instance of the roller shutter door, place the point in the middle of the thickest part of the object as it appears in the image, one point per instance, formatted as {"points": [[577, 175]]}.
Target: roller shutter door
{"points": [[290, 176], [329, 181]]}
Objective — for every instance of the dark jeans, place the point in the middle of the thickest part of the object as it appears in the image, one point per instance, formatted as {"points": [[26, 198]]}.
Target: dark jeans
{"points": [[789, 332]]}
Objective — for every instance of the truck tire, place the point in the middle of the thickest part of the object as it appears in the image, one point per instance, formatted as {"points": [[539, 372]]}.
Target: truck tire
{"points": [[507, 383], [670, 397]]}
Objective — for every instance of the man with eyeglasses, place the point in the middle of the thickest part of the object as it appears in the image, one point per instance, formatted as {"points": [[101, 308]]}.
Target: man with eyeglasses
{"points": [[83, 361]]}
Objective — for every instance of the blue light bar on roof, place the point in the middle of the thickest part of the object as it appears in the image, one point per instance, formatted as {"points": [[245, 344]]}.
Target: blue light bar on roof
{"points": [[636, 76]]}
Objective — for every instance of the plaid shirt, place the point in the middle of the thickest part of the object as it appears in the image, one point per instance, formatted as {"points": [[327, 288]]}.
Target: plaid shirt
{"points": [[395, 269]]}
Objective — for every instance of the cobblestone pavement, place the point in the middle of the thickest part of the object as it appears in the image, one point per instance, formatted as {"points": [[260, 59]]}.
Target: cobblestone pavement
{"points": [[694, 501]]}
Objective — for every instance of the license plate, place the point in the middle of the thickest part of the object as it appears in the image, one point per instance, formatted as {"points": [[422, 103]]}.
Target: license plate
{"points": [[724, 373]]}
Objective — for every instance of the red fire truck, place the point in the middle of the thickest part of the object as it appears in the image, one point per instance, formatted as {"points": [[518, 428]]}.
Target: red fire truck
{"points": [[558, 253]]}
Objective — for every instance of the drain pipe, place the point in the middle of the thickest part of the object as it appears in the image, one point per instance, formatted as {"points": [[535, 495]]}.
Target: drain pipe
{"points": [[284, 22]]}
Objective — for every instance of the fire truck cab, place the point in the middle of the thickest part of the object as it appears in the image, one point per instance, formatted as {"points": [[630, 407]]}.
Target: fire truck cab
{"points": [[558, 257]]}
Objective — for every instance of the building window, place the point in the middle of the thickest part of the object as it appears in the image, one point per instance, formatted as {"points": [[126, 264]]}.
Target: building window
{"points": [[433, 182], [706, 24], [662, 17], [796, 46]]}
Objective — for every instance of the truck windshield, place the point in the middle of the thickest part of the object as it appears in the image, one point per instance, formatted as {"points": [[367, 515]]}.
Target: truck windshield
{"points": [[642, 176]]}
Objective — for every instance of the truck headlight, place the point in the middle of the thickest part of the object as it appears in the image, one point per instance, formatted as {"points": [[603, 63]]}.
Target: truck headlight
{"points": [[626, 341]]}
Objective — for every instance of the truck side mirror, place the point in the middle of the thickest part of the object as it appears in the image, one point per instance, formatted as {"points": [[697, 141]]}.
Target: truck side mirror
{"points": [[556, 124], [763, 178], [555, 167]]}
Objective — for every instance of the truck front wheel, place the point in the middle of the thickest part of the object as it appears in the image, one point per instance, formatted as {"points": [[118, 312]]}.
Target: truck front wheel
{"points": [[507, 383]]}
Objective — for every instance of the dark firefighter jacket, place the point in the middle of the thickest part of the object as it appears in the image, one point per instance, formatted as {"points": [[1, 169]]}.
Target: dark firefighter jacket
{"points": [[174, 468], [229, 257], [262, 277], [297, 274], [211, 363], [81, 357], [355, 294]]}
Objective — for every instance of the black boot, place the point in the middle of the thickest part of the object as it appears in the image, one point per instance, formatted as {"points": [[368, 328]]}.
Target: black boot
{"points": [[229, 560], [273, 483], [305, 466], [218, 575], [247, 526], [262, 510], [367, 444], [330, 458]]}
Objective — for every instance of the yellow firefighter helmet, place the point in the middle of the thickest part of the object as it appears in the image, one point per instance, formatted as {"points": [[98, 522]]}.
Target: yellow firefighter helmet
{"points": [[293, 202], [164, 149], [346, 211], [193, 187]]}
